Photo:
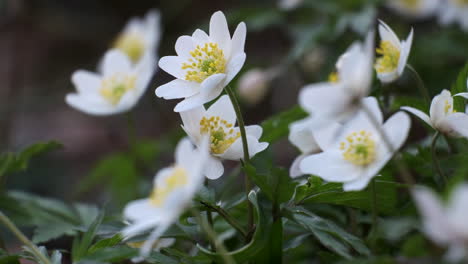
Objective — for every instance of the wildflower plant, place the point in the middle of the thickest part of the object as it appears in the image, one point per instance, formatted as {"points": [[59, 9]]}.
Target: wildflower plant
{"points": [[337, 172]]}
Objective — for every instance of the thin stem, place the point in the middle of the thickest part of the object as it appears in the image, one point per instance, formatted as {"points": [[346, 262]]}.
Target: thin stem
{"points": [[435, 161], [227, 217], [209, 216], [406, 176], [213, 237], [245, 146], [420, 83], [374, 205], [11, 226]]}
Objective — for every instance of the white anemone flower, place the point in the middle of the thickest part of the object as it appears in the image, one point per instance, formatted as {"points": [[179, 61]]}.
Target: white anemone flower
{"points": [[357, 152], [140, 37], [445, 223], [174, 189], [443, 117], [453, 11], [340, 98], [204, 64], [115, 89], [416, 9], [218, 123], [394, 54]]}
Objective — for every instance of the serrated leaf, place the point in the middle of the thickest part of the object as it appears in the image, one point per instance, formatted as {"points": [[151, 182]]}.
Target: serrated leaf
{"points": [[277, 126], [460, 86]]}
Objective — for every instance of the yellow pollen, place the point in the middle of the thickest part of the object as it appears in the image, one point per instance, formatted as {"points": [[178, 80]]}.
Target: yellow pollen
{"points": [[359, 148], [333, 77], [462, 3], [390, 56], [177, 179], [221, 133], [132, 44], [448, 108], [206, 60], [114, 87], [412, 4]]}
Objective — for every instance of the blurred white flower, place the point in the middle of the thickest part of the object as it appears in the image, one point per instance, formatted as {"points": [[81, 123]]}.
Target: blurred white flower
{"points": [[289, 4], [174, 188], [341, 96], [204, 64], [453, 11], [443, 117], [253, 85], [116, 89], [218, 123], [394, 54], [140, 37], [445, 224], [357, 152], [414, 8]]}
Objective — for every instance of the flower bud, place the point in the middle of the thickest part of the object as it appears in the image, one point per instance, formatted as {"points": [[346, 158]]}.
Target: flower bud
{"points": [[253, 86]]}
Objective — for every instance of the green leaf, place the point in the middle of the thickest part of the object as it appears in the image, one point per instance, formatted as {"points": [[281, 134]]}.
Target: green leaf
{"points": [[104, 243], [110, 254], [5, 258], [278, 126], [81, 246], [460, 86]]}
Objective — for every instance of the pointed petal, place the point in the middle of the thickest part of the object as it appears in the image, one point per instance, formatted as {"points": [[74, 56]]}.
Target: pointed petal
{"points": [[387, 34], [238, 39], [423, 116], [404, 53], [219, 31]]}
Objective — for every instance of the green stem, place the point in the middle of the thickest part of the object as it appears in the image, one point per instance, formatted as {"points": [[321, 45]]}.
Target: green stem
{"points": [[374, 205], [420, 83], [435, 161], [212, 237], [240, 121], [209, 216], [11, 226], [227, 217]]}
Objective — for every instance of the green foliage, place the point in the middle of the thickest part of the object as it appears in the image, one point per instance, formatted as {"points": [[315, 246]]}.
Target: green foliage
{"points": [[460, 87], [278, 126]]}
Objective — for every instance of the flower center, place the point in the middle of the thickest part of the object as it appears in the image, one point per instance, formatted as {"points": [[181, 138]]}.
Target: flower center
{"points": [[461, 3], [160, 192], [390, 56], [221, 133], [412, 4], [132, 44], [114, 87], [359, 148], [448, 108], [205, 61], [333, 77]]}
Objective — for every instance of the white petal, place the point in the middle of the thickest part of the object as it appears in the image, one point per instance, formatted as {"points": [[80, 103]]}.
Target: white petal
{"points": [[183, 152], [236, 151], [191, 120], [86, 83], [219, 31], [423, 116], [177, 89], [140, 226], [301, 136], [455, 125], [234, 66], [464, 95], [335, 170], [372, 104], [404, 53], [115, 61], [238, 39], [89, 106], [326, 136], [140, 210], [224, 109], [200, 37], [456, 253], [387, 34], [456, 210], [437, 110], [184, 45], [209, 90], [173, 66], [213, 168], [397, 128], [388, 77], [323, 99], [254, 131], [295, 170], [148, 245]]}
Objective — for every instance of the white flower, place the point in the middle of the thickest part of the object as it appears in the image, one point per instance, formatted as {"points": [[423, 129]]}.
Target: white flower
{"points": [[174, 188], [445, 224], [339, 98], [218, 122], [204, 64], [394, 54], [454, 11], [140, 37], [116, 89], [358, 151], [414, 8], [253, 85], [443, 117]]}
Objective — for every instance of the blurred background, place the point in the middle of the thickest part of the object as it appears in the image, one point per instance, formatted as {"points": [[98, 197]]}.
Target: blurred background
{"points": [[42, 42]]}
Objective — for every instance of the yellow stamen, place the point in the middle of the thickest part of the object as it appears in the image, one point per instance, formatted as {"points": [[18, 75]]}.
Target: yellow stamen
{"points": [[333, 77], [132, 44], [388, 62], [411, 4], [221, 133], [462, 3], [114, 87], [448, 108], [177, 179], [206, 60], [359, 148]]}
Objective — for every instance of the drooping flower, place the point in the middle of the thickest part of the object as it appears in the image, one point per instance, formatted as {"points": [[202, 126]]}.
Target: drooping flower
{"points": [[115, 89], [218, 123], [174, 188], [443, 117], [454, 11], [357, 152], [140, 37], [341, 96], [414, 8], [445, 223], [204, 64], [394, 54]]}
